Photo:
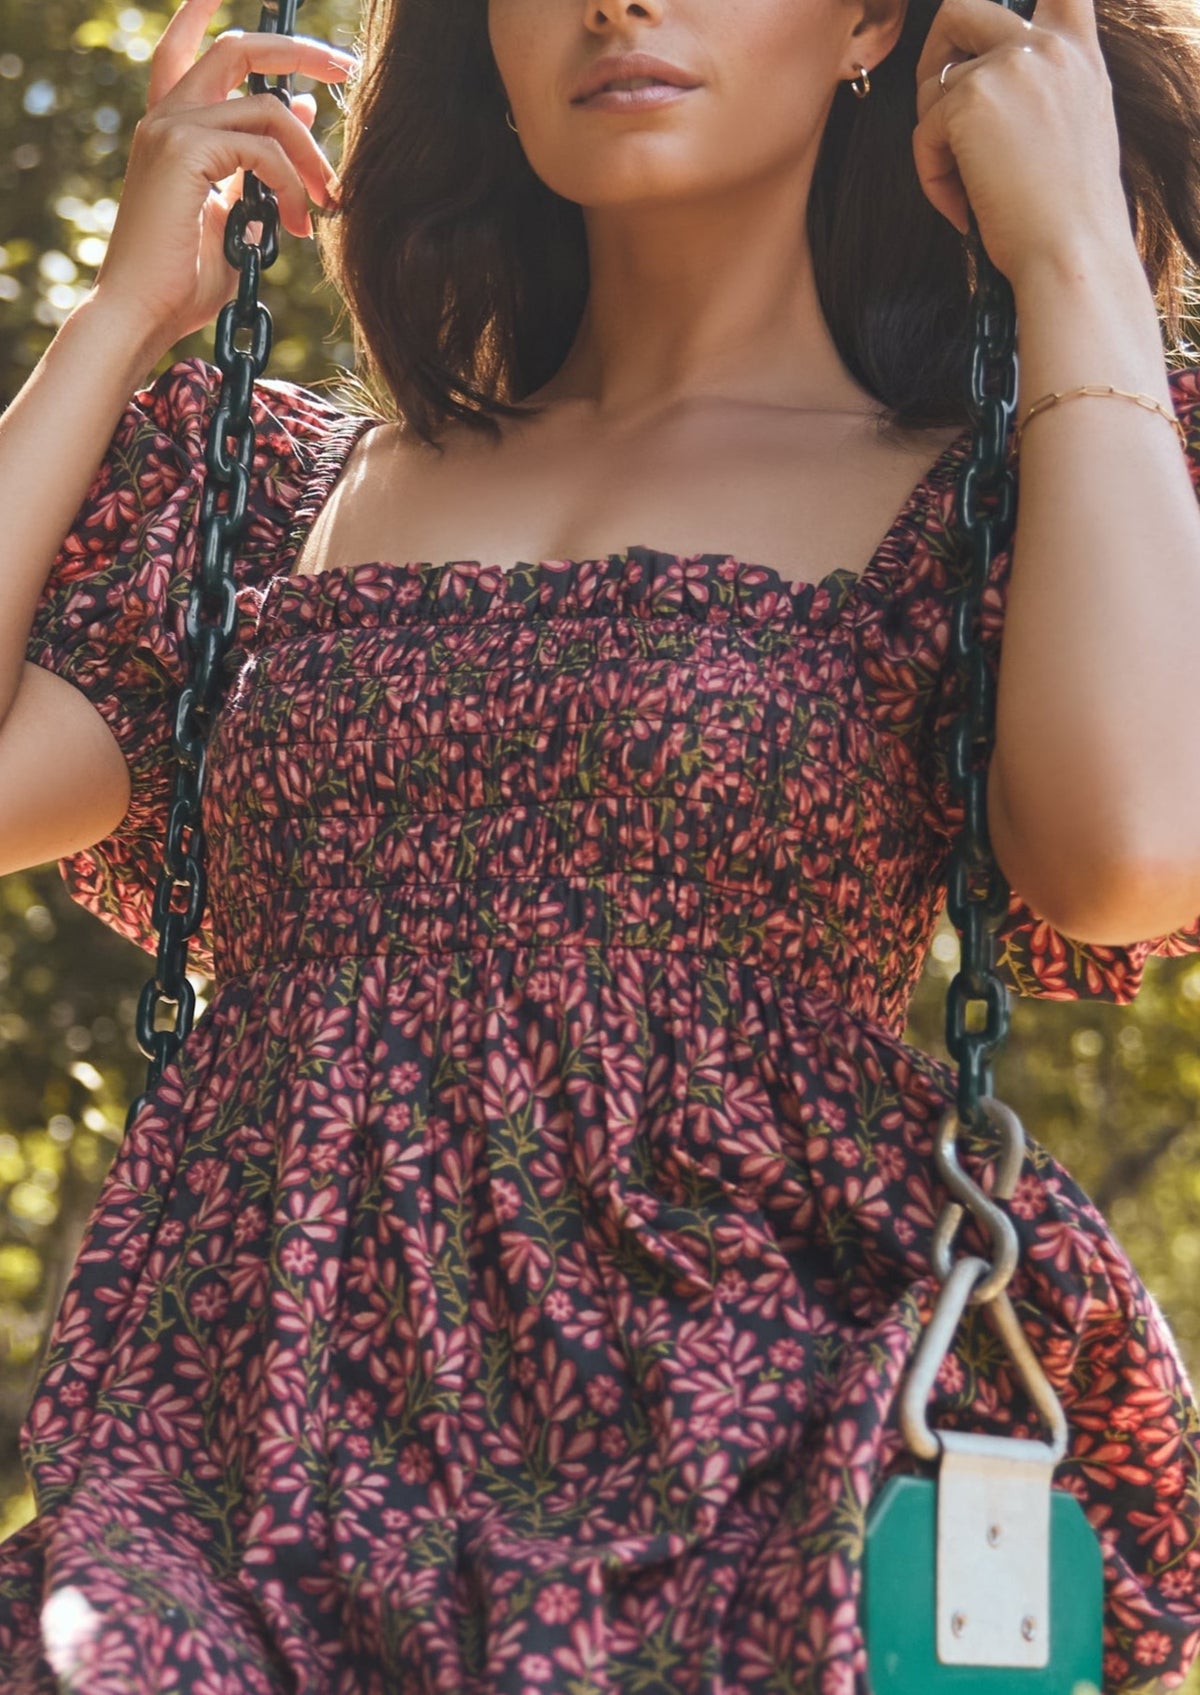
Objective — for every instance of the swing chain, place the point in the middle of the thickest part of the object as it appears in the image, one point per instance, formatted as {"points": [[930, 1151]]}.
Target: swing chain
{"points": [[243, 346], [986, 505], [978, 901], [977, 892]]}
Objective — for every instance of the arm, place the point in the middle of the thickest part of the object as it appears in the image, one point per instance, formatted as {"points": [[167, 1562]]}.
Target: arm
{"points": [[52, 440], [1094, 790]]}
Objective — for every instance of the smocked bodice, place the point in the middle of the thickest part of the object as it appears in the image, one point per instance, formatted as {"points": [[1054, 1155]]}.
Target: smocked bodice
{"points": [[630, 752]]}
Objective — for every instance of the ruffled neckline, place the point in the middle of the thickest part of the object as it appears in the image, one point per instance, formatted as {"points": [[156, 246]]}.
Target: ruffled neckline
{"points": [[639, 581]]}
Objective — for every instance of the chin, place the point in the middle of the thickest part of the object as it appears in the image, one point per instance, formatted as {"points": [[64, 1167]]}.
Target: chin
{"points": [[628, 172]]}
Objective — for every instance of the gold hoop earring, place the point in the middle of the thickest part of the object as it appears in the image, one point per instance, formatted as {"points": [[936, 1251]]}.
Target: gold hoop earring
{"points": [[865, 75], [509, 122]]}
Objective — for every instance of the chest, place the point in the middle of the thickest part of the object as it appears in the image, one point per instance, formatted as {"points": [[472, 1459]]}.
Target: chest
{"points": [[804, 497]]}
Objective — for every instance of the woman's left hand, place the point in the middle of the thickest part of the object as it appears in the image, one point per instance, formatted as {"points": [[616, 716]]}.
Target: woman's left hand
{"points": [[1024, 130]]}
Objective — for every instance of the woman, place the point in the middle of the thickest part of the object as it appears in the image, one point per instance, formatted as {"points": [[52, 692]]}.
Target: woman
{"points": [[509, 1286]]}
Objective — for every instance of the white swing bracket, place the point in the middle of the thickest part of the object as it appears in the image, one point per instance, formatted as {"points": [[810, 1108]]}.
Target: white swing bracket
{"points": [[993, 1551]]}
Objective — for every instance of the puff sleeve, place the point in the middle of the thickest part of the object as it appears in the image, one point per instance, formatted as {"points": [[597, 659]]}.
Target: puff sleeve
{"points": [[111, 616], [1032, 956]]}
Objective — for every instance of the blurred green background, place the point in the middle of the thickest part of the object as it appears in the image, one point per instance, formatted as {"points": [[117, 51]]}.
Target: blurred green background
{"points": [[1115, 1093]]}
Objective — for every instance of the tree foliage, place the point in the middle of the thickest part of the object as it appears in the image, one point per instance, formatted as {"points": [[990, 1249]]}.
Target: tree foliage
{"points": [[1114, 1093], [72, 86]]}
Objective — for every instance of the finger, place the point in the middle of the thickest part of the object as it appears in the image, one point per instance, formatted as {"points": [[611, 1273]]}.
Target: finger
{"points": [[231, 190], [934, 89], [937, 168], [304, 107], [965, 29], [178, 45], [234, 55], [1070, 17], [215, 155], [262, 114]]}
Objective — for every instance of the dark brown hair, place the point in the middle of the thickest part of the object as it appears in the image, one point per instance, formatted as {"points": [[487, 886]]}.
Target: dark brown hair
{"points": [[465, 277]]}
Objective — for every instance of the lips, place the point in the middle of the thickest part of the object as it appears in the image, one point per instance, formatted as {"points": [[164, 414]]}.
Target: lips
{"points": [[629, 66], [644, 98]]}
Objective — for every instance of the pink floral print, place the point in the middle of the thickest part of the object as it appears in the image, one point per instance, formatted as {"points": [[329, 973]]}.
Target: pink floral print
{"points": [[508, 1287]]}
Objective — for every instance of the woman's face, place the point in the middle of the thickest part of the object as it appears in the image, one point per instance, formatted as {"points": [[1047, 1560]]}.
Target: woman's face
{"points": [[766, 72]]}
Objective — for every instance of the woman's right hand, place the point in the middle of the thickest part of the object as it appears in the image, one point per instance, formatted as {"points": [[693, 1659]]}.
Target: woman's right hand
{"points": [[165, 271]]}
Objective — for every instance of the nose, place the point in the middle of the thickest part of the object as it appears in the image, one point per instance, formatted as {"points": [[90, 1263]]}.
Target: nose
{"points": [[603, 14]]}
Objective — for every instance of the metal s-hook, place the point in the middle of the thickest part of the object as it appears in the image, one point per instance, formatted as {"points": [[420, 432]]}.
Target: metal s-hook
{"points": [[973, 1281], [1004, 1245]]}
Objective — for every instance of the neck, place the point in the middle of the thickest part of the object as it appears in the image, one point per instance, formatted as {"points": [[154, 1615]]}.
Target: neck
{"points": [[712, 300]]}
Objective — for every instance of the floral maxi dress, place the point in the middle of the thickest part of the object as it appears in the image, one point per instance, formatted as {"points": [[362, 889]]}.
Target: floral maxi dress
{"points": [[506, 1289]]}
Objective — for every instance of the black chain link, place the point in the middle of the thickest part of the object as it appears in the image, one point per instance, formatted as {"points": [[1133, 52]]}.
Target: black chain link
{"points": [[243, 346], [977, 893]]}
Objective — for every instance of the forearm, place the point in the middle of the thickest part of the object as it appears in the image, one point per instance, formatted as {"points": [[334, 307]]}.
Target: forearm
{"points": [[52, 439], [1097, 758]]}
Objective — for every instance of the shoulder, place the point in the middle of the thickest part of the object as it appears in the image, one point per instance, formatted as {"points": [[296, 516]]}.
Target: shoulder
{"points": [[300, 439], [290, 420]]}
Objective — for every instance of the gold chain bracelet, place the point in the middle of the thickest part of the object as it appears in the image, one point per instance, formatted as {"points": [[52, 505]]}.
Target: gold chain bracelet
{"points": [[1146, 401]]}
